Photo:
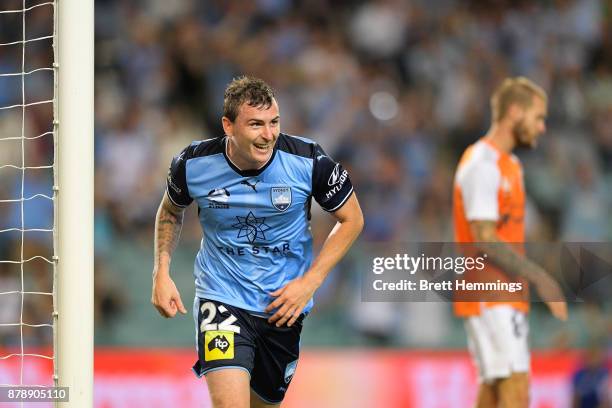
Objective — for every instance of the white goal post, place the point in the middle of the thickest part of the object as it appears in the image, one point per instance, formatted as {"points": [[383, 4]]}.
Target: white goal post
{"points": [[74, 185]]}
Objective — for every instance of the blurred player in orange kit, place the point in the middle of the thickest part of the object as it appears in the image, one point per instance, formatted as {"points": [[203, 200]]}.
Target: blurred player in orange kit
{"points": [[489, 207]]}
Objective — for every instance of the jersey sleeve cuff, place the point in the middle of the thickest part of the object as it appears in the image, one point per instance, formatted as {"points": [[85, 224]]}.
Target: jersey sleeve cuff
{"points": [[172, 200], [344, 200]]}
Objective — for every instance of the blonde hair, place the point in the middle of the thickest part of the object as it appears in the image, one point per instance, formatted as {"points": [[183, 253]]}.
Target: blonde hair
{"points": [[517, 90]]}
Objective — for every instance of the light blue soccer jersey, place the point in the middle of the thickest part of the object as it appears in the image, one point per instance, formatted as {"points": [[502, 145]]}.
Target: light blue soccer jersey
{"points": [[255, 223]]}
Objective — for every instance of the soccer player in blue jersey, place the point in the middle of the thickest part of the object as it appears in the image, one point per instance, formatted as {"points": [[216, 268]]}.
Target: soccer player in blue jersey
{"points": [[254, 273]]}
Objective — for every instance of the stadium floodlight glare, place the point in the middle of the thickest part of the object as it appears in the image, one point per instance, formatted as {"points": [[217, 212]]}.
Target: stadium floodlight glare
{"points": [[72, 197]]}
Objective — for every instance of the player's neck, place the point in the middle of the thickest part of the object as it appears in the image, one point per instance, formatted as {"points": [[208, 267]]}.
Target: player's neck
{"points": [[501, 138], [239, 162]]}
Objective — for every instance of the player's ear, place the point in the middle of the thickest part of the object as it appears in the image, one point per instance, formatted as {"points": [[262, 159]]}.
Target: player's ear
{"points": [[228, 126], [515, 112]]}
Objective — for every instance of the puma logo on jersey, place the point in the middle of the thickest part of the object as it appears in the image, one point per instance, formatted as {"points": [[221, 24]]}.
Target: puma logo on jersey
{"points": [[246, 183]]}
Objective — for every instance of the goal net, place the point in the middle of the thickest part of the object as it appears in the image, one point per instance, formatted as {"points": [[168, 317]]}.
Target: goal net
{"points": [[27, 158]]}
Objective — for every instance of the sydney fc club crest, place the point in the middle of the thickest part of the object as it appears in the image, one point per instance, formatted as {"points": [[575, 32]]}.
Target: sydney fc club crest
{"points": [[281, 197]]}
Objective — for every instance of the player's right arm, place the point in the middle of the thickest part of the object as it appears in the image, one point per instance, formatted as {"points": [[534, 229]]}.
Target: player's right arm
{"points": [[168, 224], [480, 182], [515, 264]]}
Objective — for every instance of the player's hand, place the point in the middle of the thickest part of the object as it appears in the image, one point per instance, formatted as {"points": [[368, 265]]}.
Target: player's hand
{"points": [[550, 292], [558, 309], [166, 297], [290, 300]]}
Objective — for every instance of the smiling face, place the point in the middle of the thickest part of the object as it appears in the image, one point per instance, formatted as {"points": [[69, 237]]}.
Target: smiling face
{"points": [[252, 135], [531, 125]]}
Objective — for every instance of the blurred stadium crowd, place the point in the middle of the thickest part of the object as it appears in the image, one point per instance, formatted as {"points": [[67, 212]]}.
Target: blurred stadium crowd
{"points": [[394, 90]]}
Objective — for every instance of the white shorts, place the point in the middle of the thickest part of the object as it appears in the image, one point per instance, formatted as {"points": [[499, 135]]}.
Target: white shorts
{"points": [[497, 340]]}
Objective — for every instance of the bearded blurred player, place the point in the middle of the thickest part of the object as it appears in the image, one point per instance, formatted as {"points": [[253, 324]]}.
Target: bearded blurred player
{"points": [[489, 207]]}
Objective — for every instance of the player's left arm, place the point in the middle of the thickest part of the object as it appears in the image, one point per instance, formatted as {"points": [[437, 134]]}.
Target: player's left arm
{"points": [[293, 297]]}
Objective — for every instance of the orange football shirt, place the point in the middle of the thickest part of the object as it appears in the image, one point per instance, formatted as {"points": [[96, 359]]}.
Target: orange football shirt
{"points": [[488, 186]]}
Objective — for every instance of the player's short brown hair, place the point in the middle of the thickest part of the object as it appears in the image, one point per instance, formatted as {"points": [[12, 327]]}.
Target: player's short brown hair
{"points": [[254, 91], [518, 90]]}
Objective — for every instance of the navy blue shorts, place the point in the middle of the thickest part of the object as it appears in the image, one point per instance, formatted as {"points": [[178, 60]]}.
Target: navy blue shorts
{"points": [[228, 336]]}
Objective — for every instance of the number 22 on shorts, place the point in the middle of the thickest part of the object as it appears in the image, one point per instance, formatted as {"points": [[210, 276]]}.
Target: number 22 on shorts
{"points": [[218, 337]]}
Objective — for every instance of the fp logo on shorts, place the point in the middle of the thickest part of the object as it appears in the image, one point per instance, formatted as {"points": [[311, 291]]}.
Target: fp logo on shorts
{"points": [[218, 345]]}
